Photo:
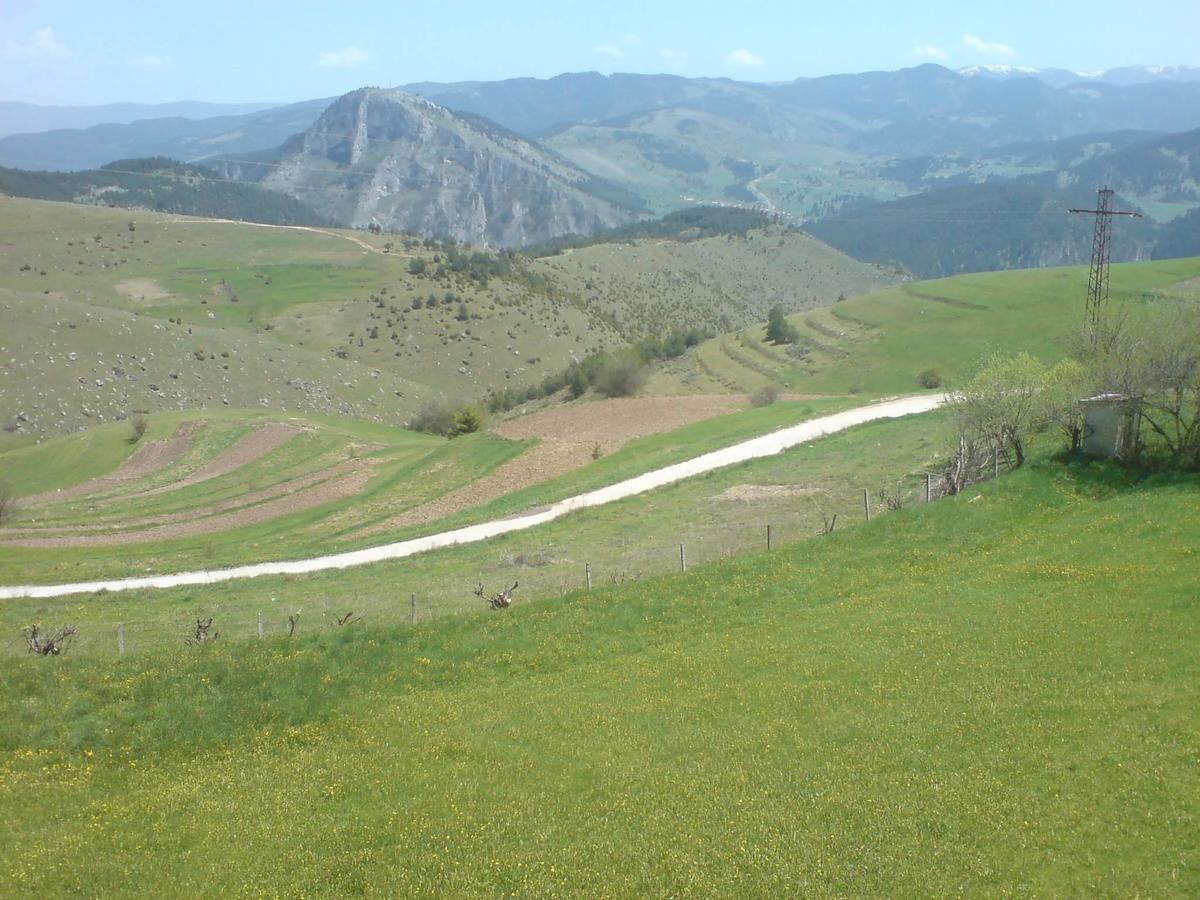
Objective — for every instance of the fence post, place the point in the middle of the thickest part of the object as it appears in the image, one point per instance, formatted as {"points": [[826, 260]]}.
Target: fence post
{"points": [[587, 575], [260, 627], [412, 600], [682, 559], [996, 463], [121, 638], [866, 504], [928, 487], [768, 538]]}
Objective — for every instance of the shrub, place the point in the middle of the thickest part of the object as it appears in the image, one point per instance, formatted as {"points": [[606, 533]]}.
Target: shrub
{"points": [[620, 376], [447, 419], [765, 395], [467, 420], [930, 378], [138, 426], [435, 417]]}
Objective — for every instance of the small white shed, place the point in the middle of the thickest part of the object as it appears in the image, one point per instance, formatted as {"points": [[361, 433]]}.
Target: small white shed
{"points": [[1111, 425]]}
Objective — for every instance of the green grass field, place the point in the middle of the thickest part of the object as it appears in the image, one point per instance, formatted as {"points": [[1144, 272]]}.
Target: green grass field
{"points": [[410, 469], [878, 343], [717, 515], [994, 694]]}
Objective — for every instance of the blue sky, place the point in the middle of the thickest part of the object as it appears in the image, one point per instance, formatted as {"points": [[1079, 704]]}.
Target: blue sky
{"points": [[109, 50]]}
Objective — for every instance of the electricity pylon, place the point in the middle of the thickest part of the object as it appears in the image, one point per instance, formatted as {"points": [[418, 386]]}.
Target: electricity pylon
{"points": [[1101, 252]]}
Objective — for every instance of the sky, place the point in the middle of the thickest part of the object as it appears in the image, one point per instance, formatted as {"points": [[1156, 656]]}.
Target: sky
{"points": [[103, 51]]}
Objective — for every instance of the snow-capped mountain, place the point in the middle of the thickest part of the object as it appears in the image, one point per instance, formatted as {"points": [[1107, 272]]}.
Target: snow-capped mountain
{"points": [[1123, 76]]}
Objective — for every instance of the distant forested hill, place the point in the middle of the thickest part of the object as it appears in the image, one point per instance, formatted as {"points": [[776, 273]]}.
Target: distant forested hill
{"points": [[164, 185], [979, 228], [1180, 237]]}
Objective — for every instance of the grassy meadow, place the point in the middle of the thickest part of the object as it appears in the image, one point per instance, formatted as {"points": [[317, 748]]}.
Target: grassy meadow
{"points": [[993, 694], [879, 343]]}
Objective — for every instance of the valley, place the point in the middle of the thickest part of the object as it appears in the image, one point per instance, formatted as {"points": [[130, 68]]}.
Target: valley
{"points": [[608, 484]]}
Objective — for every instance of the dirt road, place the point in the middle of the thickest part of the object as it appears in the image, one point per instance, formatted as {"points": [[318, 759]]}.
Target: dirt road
{"points": [[766, 445]]}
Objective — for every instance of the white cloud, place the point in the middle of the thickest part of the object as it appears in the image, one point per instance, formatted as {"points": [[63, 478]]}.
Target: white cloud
{"points": [[42, 47], [988, 48], [612, 51], [745, 59], [930, 51], [149, 61], [675, 56], [346, 58]]}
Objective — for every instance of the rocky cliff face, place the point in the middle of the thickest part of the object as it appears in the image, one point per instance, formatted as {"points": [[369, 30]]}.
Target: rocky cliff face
{"points": [[393, 159]]}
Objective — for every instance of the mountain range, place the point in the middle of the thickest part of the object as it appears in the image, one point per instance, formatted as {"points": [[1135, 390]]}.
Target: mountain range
{"points": [[526, 160]]}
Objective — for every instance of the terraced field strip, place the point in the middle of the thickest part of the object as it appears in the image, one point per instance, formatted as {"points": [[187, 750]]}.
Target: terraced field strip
{"points": [[765, 445]]}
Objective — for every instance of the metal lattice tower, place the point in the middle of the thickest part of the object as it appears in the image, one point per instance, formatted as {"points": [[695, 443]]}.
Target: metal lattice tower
{"points": [[1101, 251]]}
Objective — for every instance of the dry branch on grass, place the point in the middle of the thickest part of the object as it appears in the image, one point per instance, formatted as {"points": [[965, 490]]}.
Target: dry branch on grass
{"points": [[502, 600], [49, 644], [203, 633]]}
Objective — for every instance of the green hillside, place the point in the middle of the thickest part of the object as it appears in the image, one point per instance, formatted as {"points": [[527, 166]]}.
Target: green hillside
{"points": [[347, 322], [160, 184], [993, 695], [718, 283], [879, 343], [216, 314]]}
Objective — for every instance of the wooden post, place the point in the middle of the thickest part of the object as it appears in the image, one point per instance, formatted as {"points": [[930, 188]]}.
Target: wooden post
{"points": [[260, 627], [587, 575], [866, 504], [996, 463], [682, 559], [928, 487], [412, 600], [121, 638], [768, 538]]}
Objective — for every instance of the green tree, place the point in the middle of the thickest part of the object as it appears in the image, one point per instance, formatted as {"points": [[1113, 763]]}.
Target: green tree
{"points": [[1003, 404], [779, 330]]}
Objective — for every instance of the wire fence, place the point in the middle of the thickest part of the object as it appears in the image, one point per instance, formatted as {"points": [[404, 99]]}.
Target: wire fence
{"points": [[531, 568]]}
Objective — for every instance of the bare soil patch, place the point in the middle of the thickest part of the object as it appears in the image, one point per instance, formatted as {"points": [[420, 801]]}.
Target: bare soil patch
{"points": [[258, 443], [148, 458], [569, 436], [756, 493], [146, 289], [613, 423]]}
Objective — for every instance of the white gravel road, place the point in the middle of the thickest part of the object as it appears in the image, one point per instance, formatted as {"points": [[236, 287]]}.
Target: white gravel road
{"points": [[766, 445]]}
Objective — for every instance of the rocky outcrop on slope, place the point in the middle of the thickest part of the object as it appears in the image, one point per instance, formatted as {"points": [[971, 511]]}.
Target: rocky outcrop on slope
{"points": [[389, 158]]}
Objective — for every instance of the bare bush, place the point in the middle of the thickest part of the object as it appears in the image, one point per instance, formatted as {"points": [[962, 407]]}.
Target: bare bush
{"points": [[967, 466], [1156, 361], [203, 633], [49, 644], [502, 600]]}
